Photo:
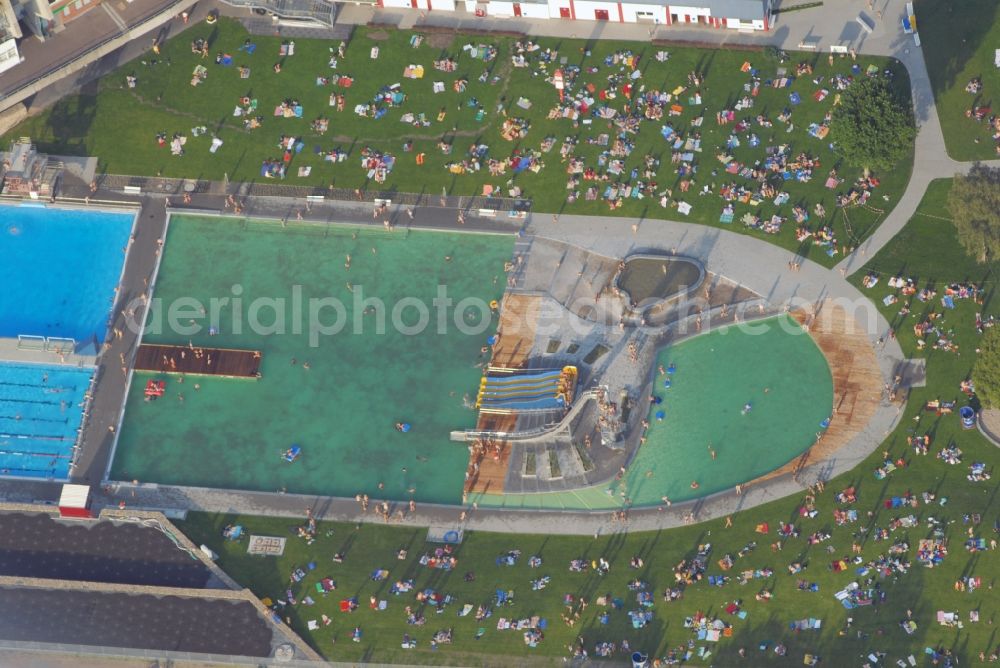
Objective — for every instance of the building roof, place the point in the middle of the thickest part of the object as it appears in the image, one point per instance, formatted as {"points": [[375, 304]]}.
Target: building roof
{"points": [[41, 546], [137, 621], [746, 10], [733, 9], [131, 582]]}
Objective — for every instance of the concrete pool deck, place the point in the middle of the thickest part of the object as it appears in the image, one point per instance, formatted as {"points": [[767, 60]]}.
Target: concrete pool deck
{"points": [[10, 351], [754, 263]]}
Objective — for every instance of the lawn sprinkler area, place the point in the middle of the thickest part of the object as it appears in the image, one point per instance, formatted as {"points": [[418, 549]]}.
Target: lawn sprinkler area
{"points": [[737, 139], [730, 406], [371, 412]]}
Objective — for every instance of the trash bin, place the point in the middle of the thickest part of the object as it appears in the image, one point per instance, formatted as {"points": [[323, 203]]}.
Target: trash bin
{"points": [[968, 415]]}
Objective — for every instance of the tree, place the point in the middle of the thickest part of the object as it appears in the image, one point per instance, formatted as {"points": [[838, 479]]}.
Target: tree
{"points": [[986, 371], [974, 203], [872, 126]]}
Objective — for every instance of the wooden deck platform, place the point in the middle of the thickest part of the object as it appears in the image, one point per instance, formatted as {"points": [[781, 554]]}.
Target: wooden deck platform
{"points": [[196, 361], [492, 471], [518, 319], [857, 381]]}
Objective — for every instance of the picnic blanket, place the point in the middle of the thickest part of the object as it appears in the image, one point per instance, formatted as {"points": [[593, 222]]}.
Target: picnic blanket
{"points": [[413, 72], [947, 618], [504, 624]]}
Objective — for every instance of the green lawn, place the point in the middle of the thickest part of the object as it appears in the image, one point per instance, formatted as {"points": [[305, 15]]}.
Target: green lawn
{"points": [[120, 125], [922, 591], [959, 40], [927, 250]]}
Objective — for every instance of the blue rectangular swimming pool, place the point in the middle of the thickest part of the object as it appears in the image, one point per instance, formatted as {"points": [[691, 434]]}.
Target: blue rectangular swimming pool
{"points": [[41, 408], [59, 269]]}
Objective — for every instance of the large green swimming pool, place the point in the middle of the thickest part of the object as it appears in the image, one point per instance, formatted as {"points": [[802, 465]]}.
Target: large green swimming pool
{"points": [[342, 409], [775, 366]]}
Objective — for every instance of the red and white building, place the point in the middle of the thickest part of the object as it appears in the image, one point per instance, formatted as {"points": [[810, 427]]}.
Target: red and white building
{"points": [[733, 14]]}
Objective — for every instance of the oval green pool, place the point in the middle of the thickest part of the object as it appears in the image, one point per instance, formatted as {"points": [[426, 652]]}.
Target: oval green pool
{"points": [[774, 365]]}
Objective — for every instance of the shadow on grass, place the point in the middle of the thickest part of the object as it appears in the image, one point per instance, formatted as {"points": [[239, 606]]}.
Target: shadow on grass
{"points": [[68, 125], [941, 24]]}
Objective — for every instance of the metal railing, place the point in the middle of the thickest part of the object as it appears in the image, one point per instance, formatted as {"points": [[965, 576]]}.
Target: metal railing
{"points": [[313, 10]]}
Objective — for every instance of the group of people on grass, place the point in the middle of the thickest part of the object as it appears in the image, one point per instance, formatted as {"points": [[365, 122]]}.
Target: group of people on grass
{"points": [[982, 112], [605, 103]]}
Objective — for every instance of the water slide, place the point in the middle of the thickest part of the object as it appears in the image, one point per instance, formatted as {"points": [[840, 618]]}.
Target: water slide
{"points": [[532, 391]]}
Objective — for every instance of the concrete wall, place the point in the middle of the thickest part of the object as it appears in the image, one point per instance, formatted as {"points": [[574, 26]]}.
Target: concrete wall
{"points": [[502, 9], [536, 10], [583, 10], [586, 9], [633, 13], [683, 10]]}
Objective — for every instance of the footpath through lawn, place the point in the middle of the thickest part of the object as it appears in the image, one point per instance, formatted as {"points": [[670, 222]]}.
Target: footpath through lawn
{"points": [[722, 137]]}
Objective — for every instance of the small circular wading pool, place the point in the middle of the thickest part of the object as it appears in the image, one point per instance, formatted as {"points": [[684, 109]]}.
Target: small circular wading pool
{"points": [[650, 280], [772, 365]]}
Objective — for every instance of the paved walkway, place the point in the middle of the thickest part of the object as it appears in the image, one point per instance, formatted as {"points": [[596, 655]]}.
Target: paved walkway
{"points": [[989, 425], [104, 38], [108, 403]]}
